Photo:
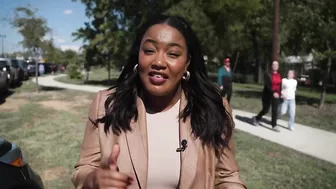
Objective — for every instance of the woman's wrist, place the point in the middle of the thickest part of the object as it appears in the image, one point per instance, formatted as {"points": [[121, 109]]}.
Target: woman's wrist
{"points": [[91, 180]]}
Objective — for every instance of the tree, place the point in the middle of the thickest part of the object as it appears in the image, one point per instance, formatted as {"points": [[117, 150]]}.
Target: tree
{"points": [[113, 27], [32, 29], [312, 28]]}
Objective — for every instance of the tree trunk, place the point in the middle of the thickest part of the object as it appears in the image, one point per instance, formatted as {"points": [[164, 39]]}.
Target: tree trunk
{"points": [[87, 75], [36, 69], [275, 44], [236, 62], [325, 80], [36, 76], [258, 75], [109, 71]]}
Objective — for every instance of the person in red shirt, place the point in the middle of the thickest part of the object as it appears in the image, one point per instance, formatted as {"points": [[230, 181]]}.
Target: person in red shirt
{"points": [[270, 96]]}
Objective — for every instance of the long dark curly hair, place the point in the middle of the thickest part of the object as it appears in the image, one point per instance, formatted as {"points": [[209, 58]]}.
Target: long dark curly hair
{"points": [[209, 119]]}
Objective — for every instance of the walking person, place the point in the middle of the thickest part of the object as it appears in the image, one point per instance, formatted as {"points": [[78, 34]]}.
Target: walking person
{"points": [[270, 96], [41, 69], [224, 79], [288, 90]]}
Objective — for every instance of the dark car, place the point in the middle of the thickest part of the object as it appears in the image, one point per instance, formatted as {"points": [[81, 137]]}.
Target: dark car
{"points": [[23, 69], [31, 67], [4, 77], [14, 65], [6, 66], [15, 172]]}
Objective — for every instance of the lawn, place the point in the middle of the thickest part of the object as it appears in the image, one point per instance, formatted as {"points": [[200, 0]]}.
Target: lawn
{"points": [[97, 76], [49, 127]]}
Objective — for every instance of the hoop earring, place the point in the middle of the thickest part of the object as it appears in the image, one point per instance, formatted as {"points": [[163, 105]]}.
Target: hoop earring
{"points": [[186, 76], [135, 68]]}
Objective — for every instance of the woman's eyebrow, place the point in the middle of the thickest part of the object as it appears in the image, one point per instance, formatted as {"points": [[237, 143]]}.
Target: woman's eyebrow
{"points": [[172, 44]]}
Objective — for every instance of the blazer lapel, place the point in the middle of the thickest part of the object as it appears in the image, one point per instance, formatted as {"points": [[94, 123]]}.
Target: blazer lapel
{"points": [[189, 158], [138, 145]]}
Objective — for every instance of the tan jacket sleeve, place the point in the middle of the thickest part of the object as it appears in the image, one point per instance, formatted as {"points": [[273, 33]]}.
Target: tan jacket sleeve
{"points": [[227, 170], [90, 153]]}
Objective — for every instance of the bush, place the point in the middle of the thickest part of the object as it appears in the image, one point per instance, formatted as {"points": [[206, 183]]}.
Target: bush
{"points": [[73, 71]]}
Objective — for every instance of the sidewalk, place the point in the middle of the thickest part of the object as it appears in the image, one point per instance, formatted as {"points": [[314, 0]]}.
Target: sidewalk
{"points": [[315, 142]]}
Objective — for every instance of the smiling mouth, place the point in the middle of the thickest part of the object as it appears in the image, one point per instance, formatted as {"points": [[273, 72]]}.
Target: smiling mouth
{"points": [[158, 75]]}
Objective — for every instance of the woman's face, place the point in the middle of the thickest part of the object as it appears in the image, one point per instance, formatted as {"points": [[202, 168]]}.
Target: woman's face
{"points": [[290, 74], [163, 59], [275, 66]]}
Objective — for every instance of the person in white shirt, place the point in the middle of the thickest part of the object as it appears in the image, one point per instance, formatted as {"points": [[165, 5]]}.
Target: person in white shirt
{"points": [[288, 90]]}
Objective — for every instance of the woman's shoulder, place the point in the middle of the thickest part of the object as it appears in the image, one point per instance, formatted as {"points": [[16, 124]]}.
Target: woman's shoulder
{"points": [[99, 100], [104, 94]]}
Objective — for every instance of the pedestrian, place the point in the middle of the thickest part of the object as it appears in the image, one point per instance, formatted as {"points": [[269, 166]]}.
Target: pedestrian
{"points": [[164, 124], [288, 105], [41, 69], [270, 96], [224, 78]]}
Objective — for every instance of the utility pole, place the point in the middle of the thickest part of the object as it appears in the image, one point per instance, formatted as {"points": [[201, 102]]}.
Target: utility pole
{"points": [[2, 36], [275, 43], [36, 53]]}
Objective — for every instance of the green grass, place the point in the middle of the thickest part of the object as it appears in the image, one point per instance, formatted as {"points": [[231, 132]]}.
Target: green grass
{"points": [[97, 76], [50, 140], [265, 165]]}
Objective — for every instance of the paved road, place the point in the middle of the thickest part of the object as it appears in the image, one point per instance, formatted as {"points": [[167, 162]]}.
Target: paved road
{"points": [[315, 142]]}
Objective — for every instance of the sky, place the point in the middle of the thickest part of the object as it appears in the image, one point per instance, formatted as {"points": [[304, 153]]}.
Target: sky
{"points": [[62, 16]]}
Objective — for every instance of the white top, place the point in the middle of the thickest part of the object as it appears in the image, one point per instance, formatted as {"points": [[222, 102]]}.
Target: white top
{"points": [[288, 88], [163, 139]]}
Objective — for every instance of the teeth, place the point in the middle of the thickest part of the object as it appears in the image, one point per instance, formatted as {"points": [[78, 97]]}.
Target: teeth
{"points": [[158, 76]]}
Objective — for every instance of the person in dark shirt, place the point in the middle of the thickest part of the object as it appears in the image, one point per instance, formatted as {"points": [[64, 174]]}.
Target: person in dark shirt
{"points": [[224, 79], [270, 96]]}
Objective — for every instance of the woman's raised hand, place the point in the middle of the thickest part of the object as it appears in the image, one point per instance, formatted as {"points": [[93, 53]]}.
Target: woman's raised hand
{"points": [[108, 175]]}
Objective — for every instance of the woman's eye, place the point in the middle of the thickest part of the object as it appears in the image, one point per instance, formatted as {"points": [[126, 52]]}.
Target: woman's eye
{"points": [[173, 55], [148, 51]]}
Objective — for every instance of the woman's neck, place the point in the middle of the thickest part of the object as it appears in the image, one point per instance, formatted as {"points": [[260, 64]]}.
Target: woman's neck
{"points": [[162, 103]]}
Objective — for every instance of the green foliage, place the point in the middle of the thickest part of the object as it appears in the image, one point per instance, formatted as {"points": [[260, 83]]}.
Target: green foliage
{"points": [[224, 27], [74, 71], [32, 28]]}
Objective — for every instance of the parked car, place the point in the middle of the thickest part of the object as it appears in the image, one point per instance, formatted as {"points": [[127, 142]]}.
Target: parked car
{"points": [[15, 171], [4, 78], [14, 66], [31, 67], [23, 67], [7, 68]]}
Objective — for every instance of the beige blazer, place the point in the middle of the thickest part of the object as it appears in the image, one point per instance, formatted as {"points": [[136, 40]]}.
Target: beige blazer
{"points": [[200, 168]]}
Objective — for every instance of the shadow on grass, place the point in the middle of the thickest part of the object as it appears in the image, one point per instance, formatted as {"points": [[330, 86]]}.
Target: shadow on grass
{"points": [[105, 82], [4, 96], [45, 88], [300, 100]]}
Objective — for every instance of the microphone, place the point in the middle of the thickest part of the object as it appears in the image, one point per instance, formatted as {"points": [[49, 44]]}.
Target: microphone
{"points": [[184, 145]]}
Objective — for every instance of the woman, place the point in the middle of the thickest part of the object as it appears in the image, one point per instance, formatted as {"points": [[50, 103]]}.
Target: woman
{"points": [[270, 96], [289, 85], [225, 79], [164, 124]]}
